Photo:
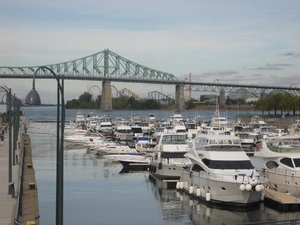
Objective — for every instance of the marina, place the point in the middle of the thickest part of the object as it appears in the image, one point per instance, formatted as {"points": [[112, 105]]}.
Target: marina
{"points": [[97, 190]]}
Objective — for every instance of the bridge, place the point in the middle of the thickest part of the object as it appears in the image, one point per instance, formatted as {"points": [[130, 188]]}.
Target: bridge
{"points": [[107, 66]]}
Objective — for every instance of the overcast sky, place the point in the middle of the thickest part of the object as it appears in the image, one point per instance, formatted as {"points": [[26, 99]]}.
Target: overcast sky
{"points": [[238, 42]]}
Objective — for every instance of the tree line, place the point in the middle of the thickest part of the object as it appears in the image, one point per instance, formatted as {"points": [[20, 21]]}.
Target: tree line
{"points": [[86, 101], [281, 101]]}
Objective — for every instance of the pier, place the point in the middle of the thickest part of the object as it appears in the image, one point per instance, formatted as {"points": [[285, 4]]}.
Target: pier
{"points": [[18, 198]]}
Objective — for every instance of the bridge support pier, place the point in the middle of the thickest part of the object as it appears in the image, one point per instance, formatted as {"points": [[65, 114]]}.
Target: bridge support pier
{"points": [[106, 101], [222, 99], [179, 97]]}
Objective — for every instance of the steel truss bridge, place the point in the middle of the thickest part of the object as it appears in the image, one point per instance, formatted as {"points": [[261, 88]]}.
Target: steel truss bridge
{"points": [[108, 66]]}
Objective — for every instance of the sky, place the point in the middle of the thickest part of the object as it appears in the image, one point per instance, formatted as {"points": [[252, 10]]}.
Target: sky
{"points": [[234, 41]]}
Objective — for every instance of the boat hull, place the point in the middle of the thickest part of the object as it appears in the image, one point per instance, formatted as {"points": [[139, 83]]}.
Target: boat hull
{"points": [[217, 189], [283, 181]]}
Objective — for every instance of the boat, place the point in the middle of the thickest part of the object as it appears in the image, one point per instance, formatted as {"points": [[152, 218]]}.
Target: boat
{"points": [[151, 119], [82, 139], [221, 173], [256, 123], [120, 147], [294, 128], [130, 159], [247, 141], [169, 161], [123, 130], [282, 169], [80, 118]]}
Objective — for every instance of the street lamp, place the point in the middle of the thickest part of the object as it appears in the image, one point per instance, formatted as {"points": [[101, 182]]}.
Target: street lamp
{"points": [[15, 122], [34, 99]]}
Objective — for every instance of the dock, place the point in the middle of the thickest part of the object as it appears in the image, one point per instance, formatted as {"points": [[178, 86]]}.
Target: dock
{"points": [[10, 192], [280, 201]]}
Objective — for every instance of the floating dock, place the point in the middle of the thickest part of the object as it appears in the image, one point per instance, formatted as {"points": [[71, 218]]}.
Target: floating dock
{"points": [[281, 201]]}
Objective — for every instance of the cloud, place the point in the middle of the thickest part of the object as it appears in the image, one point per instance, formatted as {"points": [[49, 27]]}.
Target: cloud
{"points": [[279, 64], [292, 54], [266, 68]]}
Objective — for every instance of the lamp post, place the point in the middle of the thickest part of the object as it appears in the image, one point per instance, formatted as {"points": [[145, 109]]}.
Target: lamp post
{"points": [[33, 99], [9, 99]]}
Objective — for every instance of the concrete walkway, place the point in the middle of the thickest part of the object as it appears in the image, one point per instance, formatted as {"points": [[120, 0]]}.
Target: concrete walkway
{"points": [[8, 202]]}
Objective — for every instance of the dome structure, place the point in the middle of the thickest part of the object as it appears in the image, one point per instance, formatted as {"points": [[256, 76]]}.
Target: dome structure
{"points": [[33, 98]]}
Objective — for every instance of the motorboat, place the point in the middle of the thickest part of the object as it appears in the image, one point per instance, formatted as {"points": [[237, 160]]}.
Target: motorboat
{"points": [[169, 161], [221, 173], [218, 121], [179, 127], [250, 131], [176, 117], [81, 139], [105, 125], [80, 118], [123, 130], [282, 169], [256, 123], [246, 140], [267, 131], [120, 147], [151, 119], [129, 159]]}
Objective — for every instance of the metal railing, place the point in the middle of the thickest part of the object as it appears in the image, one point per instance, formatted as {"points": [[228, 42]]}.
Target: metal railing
{"points": [[20, 193]]}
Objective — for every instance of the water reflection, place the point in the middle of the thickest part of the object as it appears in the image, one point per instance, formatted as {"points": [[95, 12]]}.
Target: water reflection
{"points": [[174, 205]]}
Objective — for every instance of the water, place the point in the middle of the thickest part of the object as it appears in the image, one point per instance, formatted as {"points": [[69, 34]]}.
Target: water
{"points": [[97, 193]]}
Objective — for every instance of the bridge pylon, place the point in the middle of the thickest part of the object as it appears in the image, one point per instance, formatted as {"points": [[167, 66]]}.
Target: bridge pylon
{"points": [[106, 100], [179, 97]]}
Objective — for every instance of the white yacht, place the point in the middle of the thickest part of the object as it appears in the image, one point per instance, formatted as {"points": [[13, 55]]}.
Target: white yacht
{"points": [[169, 160], [221, 172], [256, 123], [282, 169], [80, 118], [123, 130]]}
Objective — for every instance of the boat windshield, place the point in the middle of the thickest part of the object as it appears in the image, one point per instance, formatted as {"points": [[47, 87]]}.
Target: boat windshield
{"points": [[224, 148], [173, 139], [216, 164], [297, 162], [168, 155]]}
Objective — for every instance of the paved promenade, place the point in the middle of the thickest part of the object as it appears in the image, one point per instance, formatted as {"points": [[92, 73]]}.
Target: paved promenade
{"points": [[8, 202]]}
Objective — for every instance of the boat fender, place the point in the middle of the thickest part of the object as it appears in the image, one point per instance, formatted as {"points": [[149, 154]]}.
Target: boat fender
{"points": [[181, 185], [248, 187], [198, 192], [191, 189], [242, 187], [258, 188], [208, 196], [262, 197], [178, 185]]}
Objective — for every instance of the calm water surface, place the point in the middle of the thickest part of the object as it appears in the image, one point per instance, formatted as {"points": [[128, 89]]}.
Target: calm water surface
{"points": [[96, 192]]}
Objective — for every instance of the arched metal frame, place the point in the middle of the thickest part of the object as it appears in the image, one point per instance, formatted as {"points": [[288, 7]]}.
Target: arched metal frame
{"points": [[59, 143]]}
